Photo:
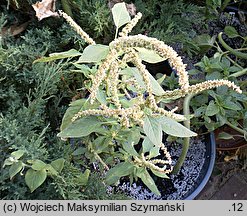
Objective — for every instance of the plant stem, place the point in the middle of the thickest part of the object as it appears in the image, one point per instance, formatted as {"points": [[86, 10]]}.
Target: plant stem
{"points": [[234, 62], [101, 161], [239, 73], [236, 128], [186, 141]]}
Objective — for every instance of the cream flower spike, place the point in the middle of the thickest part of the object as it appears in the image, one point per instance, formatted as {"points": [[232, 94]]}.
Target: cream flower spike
{"points": [[124, 43], [77, 28], [128, 28]]}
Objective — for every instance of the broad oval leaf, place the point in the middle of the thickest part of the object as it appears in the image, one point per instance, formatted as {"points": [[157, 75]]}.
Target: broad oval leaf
{"points": [[231, 32], [34, 178], [204, 41], [17, 154], [153, 130], [15, 168], [8, 162], [81, 127], [74, 108], [231, 105], [58, 164], [172, 127], [61, 55], [94, 53], [143, 174], [149, 56], [79, 151], [38, 165], [115, 173], [212, 109], [120, 14]]}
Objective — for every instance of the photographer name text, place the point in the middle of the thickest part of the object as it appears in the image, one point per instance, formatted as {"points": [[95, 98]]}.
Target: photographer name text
{"points": [[94, 208]]}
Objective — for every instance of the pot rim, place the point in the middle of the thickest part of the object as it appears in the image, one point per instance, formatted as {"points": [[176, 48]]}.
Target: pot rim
{"points": [[209, 163]]}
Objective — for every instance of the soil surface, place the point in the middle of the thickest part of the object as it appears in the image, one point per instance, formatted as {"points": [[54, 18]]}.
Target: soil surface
{"points": [[228, 182]]}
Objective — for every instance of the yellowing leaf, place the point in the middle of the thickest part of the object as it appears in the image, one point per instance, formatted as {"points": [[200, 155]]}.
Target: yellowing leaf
{"points": [[120, 14], [45, 9]]}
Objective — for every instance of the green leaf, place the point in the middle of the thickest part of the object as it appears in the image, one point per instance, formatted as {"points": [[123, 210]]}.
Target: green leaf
{"points": [[156, 88], [231, 32], [74, 108], [172, 127], [101, 143], [212, 109], [161, 79], [225, 136], [17, 154], [79, 151], [159, 174], [8, 162], [82, 179], [94, 54], [152, 129], [215, 75], [115, 173], [143, 174], [34, 178], [101, 96], [84, 69], [245, 120], [51, 171], [230, 105], [61, 55], [154, 152], [38, 165], [149, 56], [81, 127], [205, 42], [129, 148], [58, 164], [147, 145], [120, 14], [15, 168]]}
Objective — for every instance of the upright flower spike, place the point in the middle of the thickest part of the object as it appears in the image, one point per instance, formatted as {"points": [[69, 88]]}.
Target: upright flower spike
{"points": [[101, 74], [128, 28], [77, 28]]}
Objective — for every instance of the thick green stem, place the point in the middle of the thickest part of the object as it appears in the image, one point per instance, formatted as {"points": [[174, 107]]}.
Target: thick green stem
{"points": [[233, 51], [186, 141], [236, 128], [239, 73]]}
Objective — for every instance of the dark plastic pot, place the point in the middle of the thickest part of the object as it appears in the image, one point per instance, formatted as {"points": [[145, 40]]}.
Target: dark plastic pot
{"points": [[207, 168]]}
